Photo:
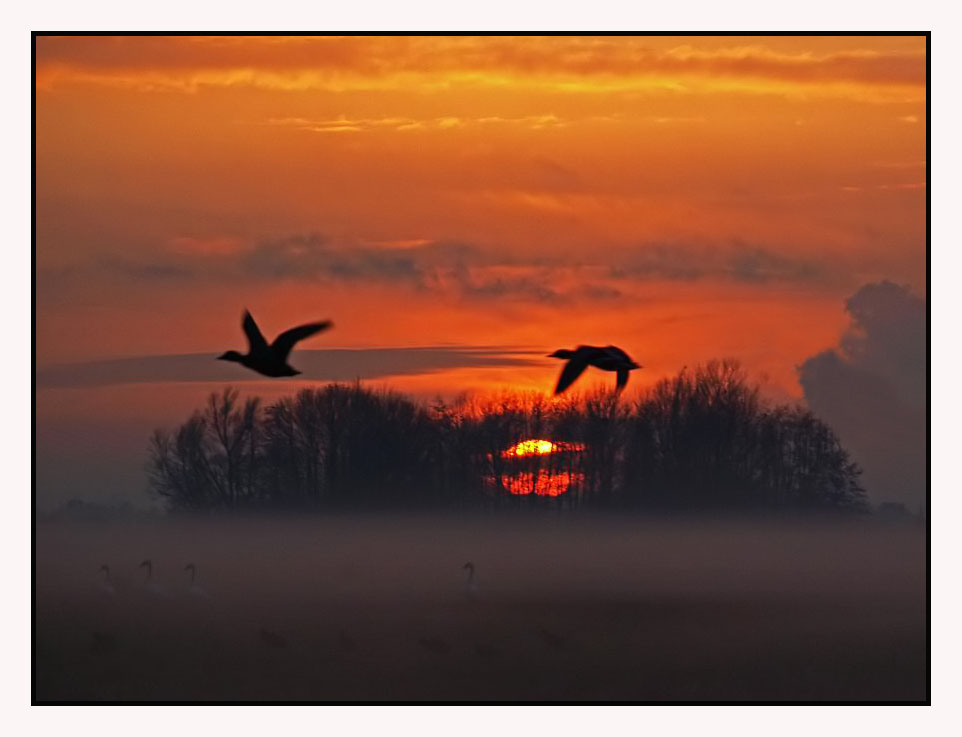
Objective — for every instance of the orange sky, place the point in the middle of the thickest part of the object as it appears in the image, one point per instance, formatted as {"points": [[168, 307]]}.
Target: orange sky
{"points": [[684, 198]]}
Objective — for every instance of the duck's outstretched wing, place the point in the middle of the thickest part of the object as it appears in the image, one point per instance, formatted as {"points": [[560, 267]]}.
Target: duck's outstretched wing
{"points": [[284, 342], [572, 370], [616, 353], [253, 333], [622, 379]]}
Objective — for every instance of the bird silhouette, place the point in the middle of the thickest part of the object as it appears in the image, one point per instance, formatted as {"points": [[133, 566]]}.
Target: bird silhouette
{"points": [[434, 645], [271, 360], [471, 585], [486, 651], [102, 643], [346, 642], [607, 358], [270, 639], [105, 585], [194, 588], [552, 640], [150, 586]]}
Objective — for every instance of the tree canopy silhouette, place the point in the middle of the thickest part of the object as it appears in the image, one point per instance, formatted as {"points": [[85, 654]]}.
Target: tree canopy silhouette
{"points": [[703, 439]]}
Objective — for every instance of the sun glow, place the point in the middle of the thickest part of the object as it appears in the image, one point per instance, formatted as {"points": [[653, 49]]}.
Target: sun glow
{"points": [[537, 447], [530, 448], [544, 483], [540, 467]]}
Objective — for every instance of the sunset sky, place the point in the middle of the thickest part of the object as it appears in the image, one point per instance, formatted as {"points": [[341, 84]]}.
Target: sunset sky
{"points": [[459, 207]]}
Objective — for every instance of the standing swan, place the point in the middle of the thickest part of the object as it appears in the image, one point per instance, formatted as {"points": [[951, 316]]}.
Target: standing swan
{"points": [[105, 585], [471, 586], [195, 589], [150, 586]]}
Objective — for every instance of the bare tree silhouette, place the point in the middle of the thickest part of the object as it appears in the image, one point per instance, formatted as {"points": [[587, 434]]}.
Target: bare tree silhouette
{"points": [[703, 439]]}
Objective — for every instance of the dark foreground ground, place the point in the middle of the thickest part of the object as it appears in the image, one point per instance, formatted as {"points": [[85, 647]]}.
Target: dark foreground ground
{"points": [[372, 609]]}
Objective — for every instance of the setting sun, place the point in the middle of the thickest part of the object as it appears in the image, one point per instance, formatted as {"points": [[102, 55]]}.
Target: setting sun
{"points": [[539, 447], [540, 467], [541, 484]]}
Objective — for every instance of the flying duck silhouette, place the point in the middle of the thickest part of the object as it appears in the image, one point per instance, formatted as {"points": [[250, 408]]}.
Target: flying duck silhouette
{"points": [[608, 358], [271, 360]]}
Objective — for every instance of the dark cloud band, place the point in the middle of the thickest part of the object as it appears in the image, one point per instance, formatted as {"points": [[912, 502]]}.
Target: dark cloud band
{"points": [[336, 364]]}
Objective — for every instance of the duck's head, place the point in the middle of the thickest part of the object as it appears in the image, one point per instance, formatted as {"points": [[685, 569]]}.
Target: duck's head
{"points": [[231, 356], [561, 353], [190, 567], [145, 564], [469, 566]]}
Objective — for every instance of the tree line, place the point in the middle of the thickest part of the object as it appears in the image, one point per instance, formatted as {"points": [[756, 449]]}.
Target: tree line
{"points": [[703, 439]]}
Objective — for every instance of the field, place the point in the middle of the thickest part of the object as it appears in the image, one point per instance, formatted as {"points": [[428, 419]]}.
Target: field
{"points": [[368, 608]]}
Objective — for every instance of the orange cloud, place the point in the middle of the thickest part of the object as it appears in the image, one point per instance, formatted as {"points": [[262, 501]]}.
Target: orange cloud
{"points": [[341, 124], [570, 63], [219, 246]]}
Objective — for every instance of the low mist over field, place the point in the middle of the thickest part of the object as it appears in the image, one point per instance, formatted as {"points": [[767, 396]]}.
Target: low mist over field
{"points": [[375, 608]]}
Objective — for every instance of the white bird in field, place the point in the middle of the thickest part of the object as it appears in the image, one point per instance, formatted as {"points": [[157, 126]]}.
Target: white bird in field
{"points": [[471, 585], [105, 585], [150, 586], [195, 588]]}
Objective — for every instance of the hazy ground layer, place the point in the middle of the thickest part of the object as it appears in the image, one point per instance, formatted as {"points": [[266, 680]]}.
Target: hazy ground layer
{"points": [[365, 608]]}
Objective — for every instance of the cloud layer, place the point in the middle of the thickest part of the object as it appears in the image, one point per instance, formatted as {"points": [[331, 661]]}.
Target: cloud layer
{"points": [[871, 389], [469, 271], [332, 62], [320, 365]]}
